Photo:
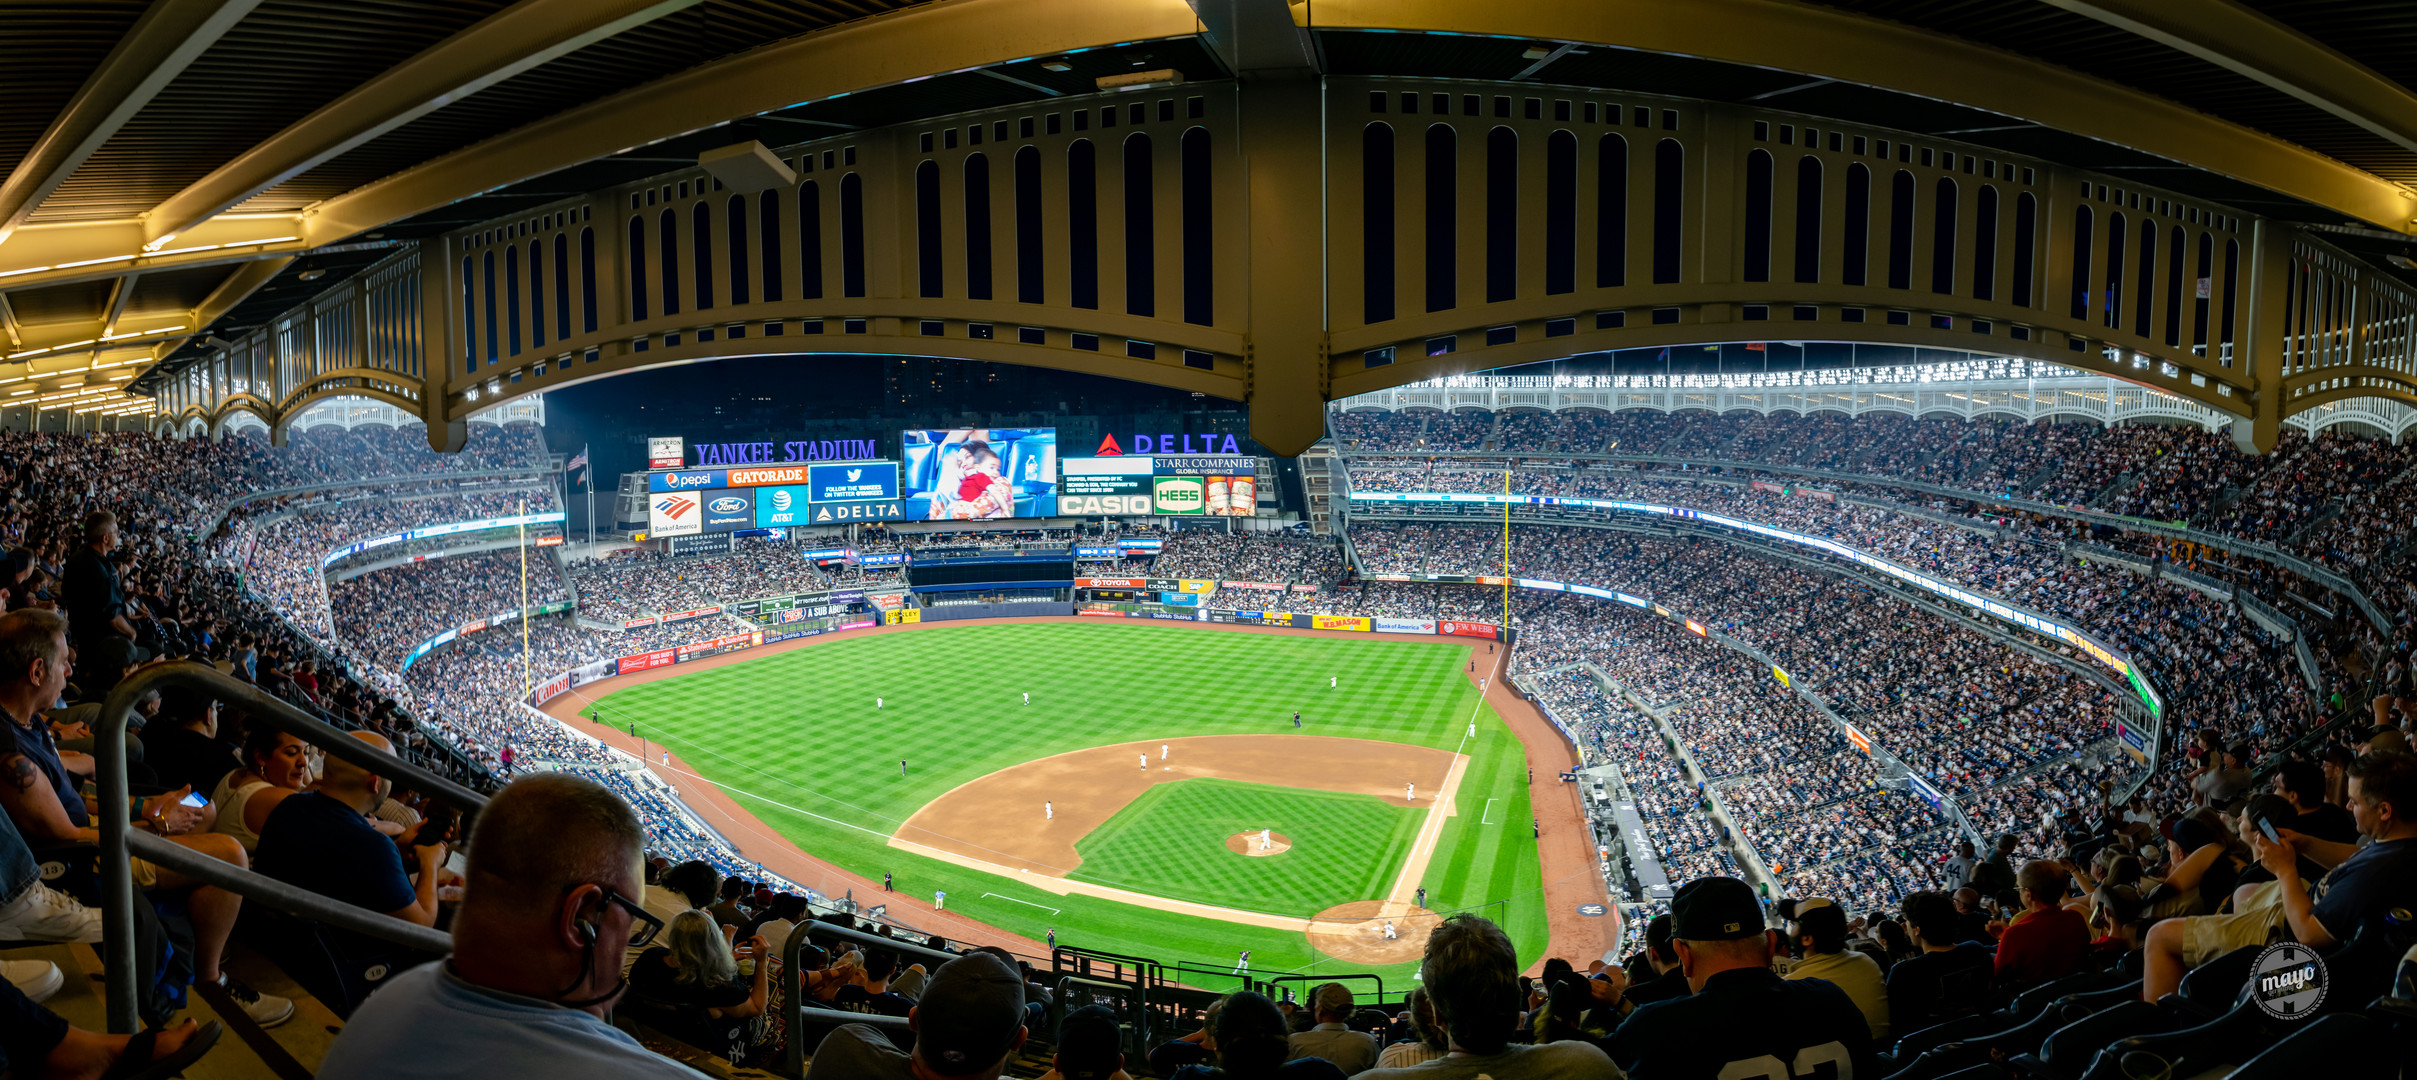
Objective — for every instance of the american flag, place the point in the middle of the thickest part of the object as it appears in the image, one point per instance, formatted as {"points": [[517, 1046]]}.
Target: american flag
{"points": [[579, 461]]}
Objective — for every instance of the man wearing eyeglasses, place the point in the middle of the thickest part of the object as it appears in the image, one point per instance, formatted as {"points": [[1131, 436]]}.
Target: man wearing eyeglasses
{"points": [[537, 945]]}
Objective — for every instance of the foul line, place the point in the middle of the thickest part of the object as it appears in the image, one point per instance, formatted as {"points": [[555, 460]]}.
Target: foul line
{"points": [[1026, 903], [1488, 817]]}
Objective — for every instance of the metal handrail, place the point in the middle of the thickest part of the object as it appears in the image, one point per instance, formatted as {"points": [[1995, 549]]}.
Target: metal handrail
{"points": [[284, 897], [119, 843], [1379, 980], [792, 982]]}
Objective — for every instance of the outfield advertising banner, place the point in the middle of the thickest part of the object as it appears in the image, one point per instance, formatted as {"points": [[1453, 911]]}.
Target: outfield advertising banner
{"points": [[893, 558], [643, 661], [903, 616], [698, 650], [1339, 622], [1405, 626], [1111, 583], [637, 624], [670, 617], [1468, 629]]}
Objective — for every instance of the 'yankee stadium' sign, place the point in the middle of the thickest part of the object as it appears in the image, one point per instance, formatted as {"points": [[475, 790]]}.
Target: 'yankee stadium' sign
{"points": [[762, 453]]}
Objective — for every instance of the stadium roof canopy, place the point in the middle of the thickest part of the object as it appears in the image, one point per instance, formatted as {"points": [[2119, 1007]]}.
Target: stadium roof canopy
{"points": [[187, 170]]}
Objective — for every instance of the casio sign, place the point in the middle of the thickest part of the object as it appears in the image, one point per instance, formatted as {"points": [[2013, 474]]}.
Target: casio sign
{"points": [[728, 504], [780, 501], [677, 481]]}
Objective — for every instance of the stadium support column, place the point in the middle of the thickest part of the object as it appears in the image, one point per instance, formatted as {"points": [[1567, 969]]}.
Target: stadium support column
{"points": [[2259, 348], [441, 348], [1284, 362]]}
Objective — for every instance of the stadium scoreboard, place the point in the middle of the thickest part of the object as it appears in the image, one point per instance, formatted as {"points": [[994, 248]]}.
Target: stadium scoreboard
{"points": [[1186, 485], [690, 502]]}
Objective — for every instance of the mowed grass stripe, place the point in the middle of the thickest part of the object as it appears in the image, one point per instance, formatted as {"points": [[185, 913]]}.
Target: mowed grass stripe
{"points": [[1344, 847], [800, 729]]}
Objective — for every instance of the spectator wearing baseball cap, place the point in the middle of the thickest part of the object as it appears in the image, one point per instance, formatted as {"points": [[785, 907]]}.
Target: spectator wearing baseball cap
{"points": [[1472, 974], [1742, 1016], [969, 1021], [1669, 980], [1090, 1046], [1819, 927]]}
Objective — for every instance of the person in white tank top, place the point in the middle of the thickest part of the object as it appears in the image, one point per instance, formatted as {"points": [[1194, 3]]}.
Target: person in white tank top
{"points": [[275, 766]]}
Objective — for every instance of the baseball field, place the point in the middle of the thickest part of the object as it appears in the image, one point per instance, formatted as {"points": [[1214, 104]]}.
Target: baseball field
{"points": [[1127, 806]]}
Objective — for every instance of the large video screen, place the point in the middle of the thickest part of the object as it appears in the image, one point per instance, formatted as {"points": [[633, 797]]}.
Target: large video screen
{"points": [[979, 474]]}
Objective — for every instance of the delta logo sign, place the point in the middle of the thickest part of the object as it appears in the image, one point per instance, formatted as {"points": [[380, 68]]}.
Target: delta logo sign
{"points": [[1169, 444]]}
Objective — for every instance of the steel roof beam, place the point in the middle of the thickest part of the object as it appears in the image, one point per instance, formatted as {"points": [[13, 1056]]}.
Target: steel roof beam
{"points": [[1789, 35], [1256, 36], [2246, 42], [915, 43], [496, 48], [168, 37]]}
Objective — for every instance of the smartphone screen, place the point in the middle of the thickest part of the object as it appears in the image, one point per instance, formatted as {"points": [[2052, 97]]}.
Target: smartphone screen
{"points": [[2267, 827], [195, 799]]}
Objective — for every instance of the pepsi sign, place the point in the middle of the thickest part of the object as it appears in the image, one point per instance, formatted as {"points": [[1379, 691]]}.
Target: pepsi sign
{"points": [[728, 508], [781, 505], [694, 480]]}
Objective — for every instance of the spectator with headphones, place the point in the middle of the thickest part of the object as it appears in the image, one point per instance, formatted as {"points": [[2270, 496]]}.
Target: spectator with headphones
{"points": [[537, 948]]}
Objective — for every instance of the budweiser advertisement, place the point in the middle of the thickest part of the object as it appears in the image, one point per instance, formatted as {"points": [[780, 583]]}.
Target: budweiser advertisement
{"points": [[643, 661]]}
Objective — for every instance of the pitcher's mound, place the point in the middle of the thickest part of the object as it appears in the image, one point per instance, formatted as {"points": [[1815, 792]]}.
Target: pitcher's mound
{"points": [[1247, 843], [1356, 932]]}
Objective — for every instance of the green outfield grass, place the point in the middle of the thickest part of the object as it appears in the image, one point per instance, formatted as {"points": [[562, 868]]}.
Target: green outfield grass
{"points": [[796, 739], [1171, 842]]}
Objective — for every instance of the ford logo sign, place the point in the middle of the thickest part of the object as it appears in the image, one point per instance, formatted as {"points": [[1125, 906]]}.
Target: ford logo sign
{"points": [[728, 504], [677, 481], [780, 501]]}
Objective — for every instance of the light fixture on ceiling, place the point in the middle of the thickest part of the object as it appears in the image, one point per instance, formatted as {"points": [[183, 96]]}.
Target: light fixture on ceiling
{"points": [[1139, 80], [312, 274], [1535, 52], [1056, 65]]}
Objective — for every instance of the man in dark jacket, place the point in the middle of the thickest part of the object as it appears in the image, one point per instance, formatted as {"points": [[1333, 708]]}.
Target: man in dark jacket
{"points": [[1742, 1019]]}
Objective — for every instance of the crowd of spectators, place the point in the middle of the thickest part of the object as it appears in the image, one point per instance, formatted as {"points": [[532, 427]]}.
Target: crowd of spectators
{"points": [[632, 583], [1216, 555]]}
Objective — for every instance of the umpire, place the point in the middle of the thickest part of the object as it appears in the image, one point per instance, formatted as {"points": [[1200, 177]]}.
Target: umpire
{"points": [[1742, 1018]]}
